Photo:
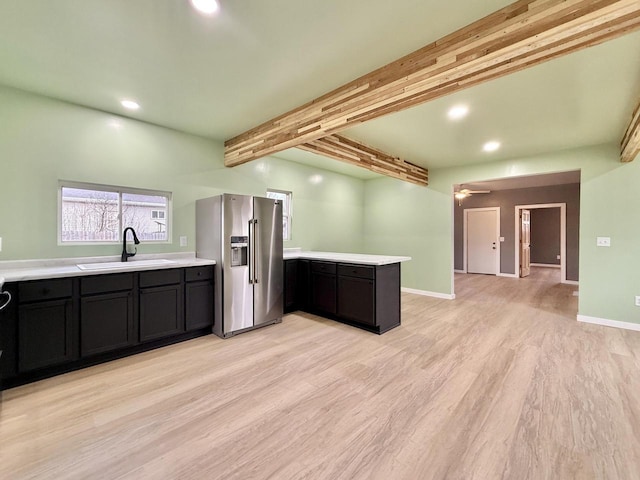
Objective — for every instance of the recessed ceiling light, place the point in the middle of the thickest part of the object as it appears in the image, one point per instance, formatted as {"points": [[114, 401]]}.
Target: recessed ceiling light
{"points": [[491, 146], [457, 112], [130, 104], [208, 7]]}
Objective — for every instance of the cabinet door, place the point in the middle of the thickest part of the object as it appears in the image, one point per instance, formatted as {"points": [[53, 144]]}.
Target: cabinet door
{"points": [[161, 312], [45, 334], [106, 323], [199, 305], [356, 299], [290, 285], [304, 287], [9, 335], [323, 296]]}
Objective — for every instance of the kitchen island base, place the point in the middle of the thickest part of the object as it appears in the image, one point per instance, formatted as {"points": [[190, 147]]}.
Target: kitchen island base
{"points": [[363, 296]]}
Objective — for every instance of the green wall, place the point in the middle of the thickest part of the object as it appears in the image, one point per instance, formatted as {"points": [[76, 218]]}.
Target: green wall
{"points": [[44, 140], [417, 221]]}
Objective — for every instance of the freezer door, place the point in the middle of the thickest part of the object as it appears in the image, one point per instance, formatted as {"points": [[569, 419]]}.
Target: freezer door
{"points": [[268, 267], [238, 291]]}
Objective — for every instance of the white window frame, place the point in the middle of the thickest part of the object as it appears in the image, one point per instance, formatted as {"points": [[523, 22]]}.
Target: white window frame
{"points": [[120, 190], [290, 215]]}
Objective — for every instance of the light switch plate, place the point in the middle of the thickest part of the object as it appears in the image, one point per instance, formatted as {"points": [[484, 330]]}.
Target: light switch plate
{"points": [[502, 239], [0, 244], [603, 241], [183, 241], [637, 300]]}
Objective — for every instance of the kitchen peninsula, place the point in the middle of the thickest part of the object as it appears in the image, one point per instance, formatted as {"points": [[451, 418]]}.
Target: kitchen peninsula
{"points": [[356, 289]]}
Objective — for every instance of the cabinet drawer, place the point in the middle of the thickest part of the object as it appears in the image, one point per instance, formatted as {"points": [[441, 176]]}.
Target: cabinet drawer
{"points": [[44, 290], [323, 267], [193, 274], [155, 278], [106, 283], [360, 271]]}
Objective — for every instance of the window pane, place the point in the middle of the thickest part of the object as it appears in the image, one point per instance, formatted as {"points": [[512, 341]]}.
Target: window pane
{"points": [[89, 215], [146, 214]]}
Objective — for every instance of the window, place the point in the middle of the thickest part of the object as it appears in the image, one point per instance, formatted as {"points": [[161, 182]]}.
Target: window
{"points": [[90, 213], [285, 198]]}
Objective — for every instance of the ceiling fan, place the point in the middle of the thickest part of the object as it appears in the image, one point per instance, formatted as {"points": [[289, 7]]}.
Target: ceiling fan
{"points": [[462, 193]]}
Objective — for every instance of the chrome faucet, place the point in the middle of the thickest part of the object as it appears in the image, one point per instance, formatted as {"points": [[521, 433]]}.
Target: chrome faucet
{"points": [[125, 254]]}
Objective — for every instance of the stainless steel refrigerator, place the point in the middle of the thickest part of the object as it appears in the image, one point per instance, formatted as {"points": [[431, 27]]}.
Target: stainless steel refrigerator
{"points": [[243, 234]]}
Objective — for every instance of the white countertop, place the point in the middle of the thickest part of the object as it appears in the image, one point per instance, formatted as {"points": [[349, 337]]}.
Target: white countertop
{"points": [[360, 258], [19, 270]]}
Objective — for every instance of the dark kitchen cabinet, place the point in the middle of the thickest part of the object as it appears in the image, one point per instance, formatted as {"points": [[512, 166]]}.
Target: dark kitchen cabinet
{"points": [[365, 296], [290, 285], [198, 298], [356, 299], [8, 334], [106, 322], [107, 313], [323, 287], [161, 304], [45, 334], [58, 325]]}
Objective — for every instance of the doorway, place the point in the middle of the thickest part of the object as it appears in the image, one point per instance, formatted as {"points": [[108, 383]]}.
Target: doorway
{"points": [[481, 240], [522, 248]]}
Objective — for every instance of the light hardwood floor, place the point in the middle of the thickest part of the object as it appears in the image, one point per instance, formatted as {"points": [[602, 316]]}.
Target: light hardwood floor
{"points": [[500, 383]]}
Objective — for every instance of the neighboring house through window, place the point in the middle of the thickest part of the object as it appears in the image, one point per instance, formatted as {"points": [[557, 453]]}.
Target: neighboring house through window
{"points": [[90, 213]]}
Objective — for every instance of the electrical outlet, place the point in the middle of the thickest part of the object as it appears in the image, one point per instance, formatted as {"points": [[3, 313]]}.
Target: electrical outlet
{"points": [[603, 241], [183, 241], [557, 257], [637, 300]]}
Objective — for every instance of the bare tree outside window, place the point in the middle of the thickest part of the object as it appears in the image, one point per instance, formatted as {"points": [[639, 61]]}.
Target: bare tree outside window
{"points": [[94, 215]]}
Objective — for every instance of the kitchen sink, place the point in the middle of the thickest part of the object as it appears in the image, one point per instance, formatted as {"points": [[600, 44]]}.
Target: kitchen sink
{"points": [[125, 265]]}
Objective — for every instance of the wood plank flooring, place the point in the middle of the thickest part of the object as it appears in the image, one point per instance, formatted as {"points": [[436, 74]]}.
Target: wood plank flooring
{"points": [[500, 383]]}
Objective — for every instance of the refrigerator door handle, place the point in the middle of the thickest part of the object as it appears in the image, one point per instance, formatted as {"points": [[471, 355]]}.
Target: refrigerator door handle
{"points": [[251, 251], [256, 251]]}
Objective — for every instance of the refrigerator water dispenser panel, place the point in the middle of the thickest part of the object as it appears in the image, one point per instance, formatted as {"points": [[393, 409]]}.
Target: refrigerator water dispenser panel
{"points": [[239, 251]]}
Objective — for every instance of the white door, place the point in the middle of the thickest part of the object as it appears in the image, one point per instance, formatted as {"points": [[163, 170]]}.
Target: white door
{"points": [[525, 243], [482, 246]]}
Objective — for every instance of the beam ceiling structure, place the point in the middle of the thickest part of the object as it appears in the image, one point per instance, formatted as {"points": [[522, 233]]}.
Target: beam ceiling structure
{"points": [[521, 35], [349, 151], [631, 141]]}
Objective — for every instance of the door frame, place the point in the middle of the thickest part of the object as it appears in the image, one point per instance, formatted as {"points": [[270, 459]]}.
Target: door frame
{"points": [[563, 237], [464, 236]]}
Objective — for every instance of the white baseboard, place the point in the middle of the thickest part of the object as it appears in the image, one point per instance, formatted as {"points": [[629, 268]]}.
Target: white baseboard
{"points": [[459, 271], [510, 275], [570, 282], [545, 265], [425, 293], [609, 323]]}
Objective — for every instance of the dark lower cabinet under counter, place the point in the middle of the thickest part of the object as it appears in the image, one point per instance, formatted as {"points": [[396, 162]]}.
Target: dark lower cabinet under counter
{"points": [[45, 334], [364, 296], [161, 312], [106, 323], [60, 325]]}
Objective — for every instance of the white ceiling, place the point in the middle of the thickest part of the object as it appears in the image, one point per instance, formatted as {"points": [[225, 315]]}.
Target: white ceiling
{"points": [[220, 76]]}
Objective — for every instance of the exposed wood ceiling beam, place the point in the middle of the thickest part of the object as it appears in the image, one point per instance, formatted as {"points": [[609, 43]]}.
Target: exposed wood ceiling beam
{"points": [[349, 151], [631, 140], [523, 34]]}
